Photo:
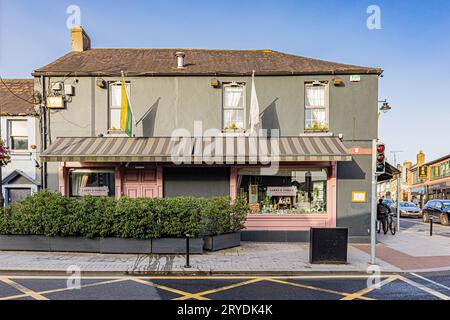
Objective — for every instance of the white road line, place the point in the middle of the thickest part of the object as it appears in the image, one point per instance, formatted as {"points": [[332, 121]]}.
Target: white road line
{"points": [[431, 281], [425, 288]]}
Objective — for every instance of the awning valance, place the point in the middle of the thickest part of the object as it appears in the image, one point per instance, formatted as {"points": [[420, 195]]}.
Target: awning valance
{"points": [[223, 150]]}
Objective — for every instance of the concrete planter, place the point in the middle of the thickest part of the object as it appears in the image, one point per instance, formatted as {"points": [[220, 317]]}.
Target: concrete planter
{"points": [[223, 241], [125, 246], [24, 243], [176, 246], [74, 244]]}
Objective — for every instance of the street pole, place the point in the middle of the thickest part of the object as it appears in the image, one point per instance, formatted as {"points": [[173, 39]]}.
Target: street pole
{"points": [[398, 201], [373, 235]]}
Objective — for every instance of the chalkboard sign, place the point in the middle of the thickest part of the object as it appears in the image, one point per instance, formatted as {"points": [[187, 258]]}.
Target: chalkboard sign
{"points": [[328, 245]]}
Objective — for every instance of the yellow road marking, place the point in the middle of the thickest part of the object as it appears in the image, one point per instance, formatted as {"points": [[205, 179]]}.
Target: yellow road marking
{"points": [[204, 293], [361, 293], [64, 289], [23, 289], [313, 288], [179, 292], [425, 288]]}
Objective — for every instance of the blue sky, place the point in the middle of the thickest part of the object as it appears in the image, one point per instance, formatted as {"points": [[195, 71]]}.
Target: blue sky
{"points": [[412, 47]]}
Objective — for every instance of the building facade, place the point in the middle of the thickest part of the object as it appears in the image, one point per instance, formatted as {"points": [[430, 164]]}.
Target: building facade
{"points": [[19, 131], [308, 167]]}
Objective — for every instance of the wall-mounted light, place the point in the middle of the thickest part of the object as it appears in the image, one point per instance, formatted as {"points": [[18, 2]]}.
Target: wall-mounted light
{"points": [[215, 83], [100, 83], [385, 108], [338, 82]]}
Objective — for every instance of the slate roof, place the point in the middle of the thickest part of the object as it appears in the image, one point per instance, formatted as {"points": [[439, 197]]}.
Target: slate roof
{"points": [[13, 92], [148, 62]]}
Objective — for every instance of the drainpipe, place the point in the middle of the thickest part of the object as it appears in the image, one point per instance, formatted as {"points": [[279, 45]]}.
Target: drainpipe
{"points": [[43, 130], [398, 201]]}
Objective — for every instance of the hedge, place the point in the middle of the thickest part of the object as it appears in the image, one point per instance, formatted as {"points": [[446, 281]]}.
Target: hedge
{"points": [[51, 214]]}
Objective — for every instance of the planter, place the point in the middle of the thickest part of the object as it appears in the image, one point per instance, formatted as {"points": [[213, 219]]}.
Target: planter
{"points": [[125, 246], [24, 243], [74, 244], [176, 246], [223, 241]]}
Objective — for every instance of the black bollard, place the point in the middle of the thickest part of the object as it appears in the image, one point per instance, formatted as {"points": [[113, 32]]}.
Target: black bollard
{"points": [[431, 226], [187, 266]]}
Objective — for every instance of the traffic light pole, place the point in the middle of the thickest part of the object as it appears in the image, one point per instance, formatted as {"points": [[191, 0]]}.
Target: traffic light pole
{"points": [[373, 224]]}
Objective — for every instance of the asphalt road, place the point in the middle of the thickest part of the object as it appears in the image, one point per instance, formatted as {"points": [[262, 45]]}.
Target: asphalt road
{"points": [[308, 287]]}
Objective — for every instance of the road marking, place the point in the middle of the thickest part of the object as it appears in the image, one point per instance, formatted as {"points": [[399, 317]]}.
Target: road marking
{"points": [[361, 293], [424, 288], [314, 288], [179, 292], [204, 293], [431, 281], [23, 289]]}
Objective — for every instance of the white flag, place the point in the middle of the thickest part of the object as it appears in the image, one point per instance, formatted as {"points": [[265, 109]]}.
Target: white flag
{"points": [[254, 107]]}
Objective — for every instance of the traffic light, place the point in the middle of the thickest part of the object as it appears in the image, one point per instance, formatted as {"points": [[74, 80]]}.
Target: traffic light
{"points": [[381, 159]]}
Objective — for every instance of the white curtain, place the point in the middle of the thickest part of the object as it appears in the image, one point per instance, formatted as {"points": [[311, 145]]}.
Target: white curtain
{"points": [[315, 96], [233, 97]]}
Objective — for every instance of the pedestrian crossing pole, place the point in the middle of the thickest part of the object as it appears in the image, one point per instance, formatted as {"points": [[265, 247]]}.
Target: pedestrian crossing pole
{"points": [[373, 224]]}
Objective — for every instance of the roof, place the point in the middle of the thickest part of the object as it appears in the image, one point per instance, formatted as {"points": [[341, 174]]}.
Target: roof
{"points": [[16, 97], [16, 174], [148, 62], [391, 171], [447, 157], [197, 150]]}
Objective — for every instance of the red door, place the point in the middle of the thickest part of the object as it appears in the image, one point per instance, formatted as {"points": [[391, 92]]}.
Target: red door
{"points": [[140, 183]]}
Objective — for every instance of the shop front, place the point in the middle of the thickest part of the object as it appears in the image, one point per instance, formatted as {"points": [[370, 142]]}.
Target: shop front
{"points": [[294, 193]]}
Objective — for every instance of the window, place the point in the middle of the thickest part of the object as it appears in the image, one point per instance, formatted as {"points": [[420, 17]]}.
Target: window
{"points": [[291, 191], [234, 107], [115, 103], [316, 107], [92, 182], [18, 135]]}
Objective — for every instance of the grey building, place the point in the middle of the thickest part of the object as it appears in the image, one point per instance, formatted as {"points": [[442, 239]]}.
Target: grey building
{"points": [[309, 164]]}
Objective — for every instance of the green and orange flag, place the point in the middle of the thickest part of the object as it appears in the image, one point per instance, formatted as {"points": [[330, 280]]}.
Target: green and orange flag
{"points": [[126, 112]]}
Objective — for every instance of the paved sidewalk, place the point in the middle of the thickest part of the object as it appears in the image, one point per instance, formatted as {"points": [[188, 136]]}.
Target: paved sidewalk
{"points": [[251, 257]]}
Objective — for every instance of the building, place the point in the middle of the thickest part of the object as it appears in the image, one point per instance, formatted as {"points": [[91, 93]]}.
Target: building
{"points": [[191, 132], [19, 129], [429, 180]]}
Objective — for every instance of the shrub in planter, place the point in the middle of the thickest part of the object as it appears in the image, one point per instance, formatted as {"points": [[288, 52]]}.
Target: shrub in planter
{"points": [[222, 217]]}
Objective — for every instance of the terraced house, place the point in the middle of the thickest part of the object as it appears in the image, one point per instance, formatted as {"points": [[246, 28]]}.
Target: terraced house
{"points": [[320, 118]]}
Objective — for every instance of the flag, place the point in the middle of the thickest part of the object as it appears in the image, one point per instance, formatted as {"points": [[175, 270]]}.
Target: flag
{"points": [[254, 107], [126, 113]]}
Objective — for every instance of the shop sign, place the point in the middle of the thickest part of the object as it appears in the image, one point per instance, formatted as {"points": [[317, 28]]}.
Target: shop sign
{"points": [[359, 197], [423, 172], [94, 191], [420, 190], [282, 191]]}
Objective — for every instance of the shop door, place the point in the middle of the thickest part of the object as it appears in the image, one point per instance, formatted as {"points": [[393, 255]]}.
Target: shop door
{"points": [[140, 183]]}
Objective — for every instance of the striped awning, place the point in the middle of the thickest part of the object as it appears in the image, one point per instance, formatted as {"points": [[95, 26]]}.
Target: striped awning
{"points": [[192, 150]]}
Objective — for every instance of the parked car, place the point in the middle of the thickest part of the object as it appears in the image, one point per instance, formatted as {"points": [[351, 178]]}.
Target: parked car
{"points": [[391, 204], [409, 209], [439, 210]]}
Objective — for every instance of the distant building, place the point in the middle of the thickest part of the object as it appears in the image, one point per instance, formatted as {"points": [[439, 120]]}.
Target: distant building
{"points": [[19, 129]]}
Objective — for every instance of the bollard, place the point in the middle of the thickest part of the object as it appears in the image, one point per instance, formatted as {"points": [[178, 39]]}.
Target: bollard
{"points": [[431, 226], [187, 266]]}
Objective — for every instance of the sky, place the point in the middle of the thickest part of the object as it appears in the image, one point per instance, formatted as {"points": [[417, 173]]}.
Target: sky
{"points": [[412, 45]]}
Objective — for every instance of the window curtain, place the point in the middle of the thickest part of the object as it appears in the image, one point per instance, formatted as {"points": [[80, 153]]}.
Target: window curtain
{"points": [[233, 97], [315, 96]]}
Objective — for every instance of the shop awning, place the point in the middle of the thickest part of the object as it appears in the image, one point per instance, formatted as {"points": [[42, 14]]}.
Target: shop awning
{"points": [[197, 150]]}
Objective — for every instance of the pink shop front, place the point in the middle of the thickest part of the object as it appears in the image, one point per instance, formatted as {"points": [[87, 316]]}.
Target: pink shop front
{"points": [[284, 203]]}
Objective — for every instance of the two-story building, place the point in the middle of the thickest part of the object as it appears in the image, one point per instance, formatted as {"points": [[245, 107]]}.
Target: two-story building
{"points": [[310, 167], [19, 131]]}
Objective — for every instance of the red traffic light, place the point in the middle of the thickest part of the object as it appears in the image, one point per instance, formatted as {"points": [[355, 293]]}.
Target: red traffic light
{"points": [[380, 158], [381, 148]]}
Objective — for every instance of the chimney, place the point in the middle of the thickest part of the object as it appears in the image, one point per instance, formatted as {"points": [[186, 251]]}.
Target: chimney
{"points": [[80, 40], [180, 59], [420, 158]]}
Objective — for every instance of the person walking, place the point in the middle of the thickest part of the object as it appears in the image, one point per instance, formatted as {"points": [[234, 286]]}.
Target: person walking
{"points": [[383, 212]]}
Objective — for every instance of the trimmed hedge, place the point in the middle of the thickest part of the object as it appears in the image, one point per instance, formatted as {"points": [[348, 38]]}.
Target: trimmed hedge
{"points": [[51, 214]]}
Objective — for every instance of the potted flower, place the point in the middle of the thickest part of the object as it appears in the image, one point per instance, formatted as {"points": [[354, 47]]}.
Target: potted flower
{"points": [[317, 127], [5, 154]]}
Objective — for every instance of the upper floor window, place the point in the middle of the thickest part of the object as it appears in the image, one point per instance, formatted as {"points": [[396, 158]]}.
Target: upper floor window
{"points": [[316, 107], [18, 135], [115, 104], [234, 107]]}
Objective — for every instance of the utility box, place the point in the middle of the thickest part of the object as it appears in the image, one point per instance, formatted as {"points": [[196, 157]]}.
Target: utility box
{"points": [[328, 245]]}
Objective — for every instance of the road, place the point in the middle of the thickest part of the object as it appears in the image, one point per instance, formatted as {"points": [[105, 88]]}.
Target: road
{"points": [[306, 287]]}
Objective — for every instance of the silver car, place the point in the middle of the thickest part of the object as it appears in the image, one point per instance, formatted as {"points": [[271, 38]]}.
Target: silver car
{"points": [[409, 209]]}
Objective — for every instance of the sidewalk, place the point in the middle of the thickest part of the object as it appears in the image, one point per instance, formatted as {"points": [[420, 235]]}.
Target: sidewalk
{"points": [[251, 257], [411, 250]]}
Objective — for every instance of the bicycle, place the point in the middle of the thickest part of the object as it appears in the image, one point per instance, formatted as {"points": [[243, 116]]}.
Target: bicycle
{"points": [[387, 223], [392, 223]]}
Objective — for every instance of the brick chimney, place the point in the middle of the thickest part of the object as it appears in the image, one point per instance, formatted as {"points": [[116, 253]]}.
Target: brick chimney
{"points": [[80, 40], [420, 158]]}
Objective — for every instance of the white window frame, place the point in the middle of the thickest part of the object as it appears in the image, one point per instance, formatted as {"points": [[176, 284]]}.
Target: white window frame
{"points": [[9, 123], [110, 100], [244, 103], [326, 107]]}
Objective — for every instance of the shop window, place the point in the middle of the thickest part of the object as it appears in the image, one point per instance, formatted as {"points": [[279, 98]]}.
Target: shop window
{"points": [[234, 108], [115, 103], [18, 135], [92, 182], [291, 191], [316, 108]]}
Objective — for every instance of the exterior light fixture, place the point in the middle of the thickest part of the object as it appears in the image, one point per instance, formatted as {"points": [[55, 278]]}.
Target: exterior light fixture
{"points": [[385, 107], [215, 83]]}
